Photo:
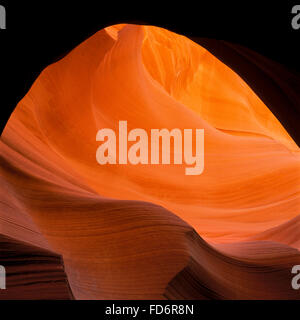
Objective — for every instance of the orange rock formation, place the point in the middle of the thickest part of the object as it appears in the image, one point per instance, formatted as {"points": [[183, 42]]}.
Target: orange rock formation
{"points": [[148, 231]]}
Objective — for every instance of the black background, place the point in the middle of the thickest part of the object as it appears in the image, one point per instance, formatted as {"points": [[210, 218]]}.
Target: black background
{"points": [[39, 33], [202, 310]]}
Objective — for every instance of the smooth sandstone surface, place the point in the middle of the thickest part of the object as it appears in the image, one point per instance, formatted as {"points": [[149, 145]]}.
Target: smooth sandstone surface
{"points": [[150, 231]]}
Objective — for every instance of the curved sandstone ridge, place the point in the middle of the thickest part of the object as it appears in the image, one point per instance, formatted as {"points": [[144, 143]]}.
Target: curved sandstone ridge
{"points": [[149, 231], [31, 272]]}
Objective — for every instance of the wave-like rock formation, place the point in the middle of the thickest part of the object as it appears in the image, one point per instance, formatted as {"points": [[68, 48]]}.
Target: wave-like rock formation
{"points": [[31, 272], [278, 87], [150, 231]]}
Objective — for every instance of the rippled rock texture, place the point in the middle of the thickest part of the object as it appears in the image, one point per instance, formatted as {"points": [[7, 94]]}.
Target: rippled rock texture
{"points": [[150, 231]]}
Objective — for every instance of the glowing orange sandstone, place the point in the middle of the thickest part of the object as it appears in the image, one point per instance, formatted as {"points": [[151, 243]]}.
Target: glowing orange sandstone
{"points": [[126, 230], [153, 78]]}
